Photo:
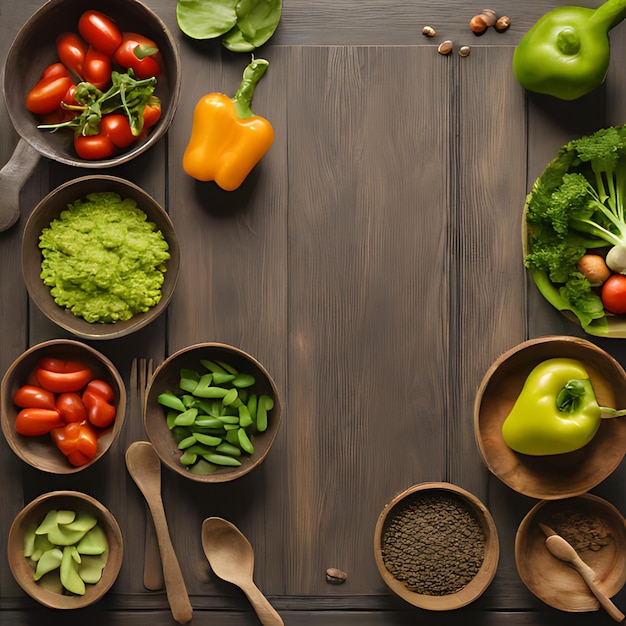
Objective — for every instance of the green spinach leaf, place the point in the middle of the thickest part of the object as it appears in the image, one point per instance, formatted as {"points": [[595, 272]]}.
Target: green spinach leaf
{"points": [[257, 19], [206, 19]]}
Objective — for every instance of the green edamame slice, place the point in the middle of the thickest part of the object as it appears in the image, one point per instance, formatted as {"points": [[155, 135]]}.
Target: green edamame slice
{"points": [[187, 442], [221, 459], [244, 380], [207, 440], [228, 448], [171, 401], [186, 418], [244, 441]]}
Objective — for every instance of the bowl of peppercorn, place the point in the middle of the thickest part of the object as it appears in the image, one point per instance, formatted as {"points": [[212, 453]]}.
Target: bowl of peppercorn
{"points": [[436, 546], [596, 532]]}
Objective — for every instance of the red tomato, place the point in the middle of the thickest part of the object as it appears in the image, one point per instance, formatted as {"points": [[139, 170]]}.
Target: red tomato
{"points": [[34, 421], [152, 112], [97, 68], [71, 49], [94, 147], [100, 31], [60, 365], [139, 54], [77, 441], [32, 396], [102, 389], [99, 412], [614, 294], [68, 98], [116, 127], [71, 407], [63, 382], [45, 97], [54, 70]]}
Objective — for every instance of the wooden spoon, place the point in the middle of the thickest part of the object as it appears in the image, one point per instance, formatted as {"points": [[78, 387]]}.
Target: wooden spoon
{"points": [[561, 549], [232, 559], [145, 468]]}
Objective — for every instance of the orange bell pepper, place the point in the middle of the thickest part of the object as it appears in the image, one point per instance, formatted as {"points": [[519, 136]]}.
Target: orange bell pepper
{"points": [[78, 441], [227, 139]]}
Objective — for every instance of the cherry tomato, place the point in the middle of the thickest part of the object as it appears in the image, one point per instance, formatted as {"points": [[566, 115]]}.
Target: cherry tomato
{"points": [[71, 407], [54, 364], [116, 127], [69, 98], [152, 112], [71, 50], [139, 54], [54, 70], [32, 396], [102, 389], [36, 421], [46, 96], [94, 147], [100, 31], [77, 441], [100, 412], [614, 294], [97, 68], [62, 382]]}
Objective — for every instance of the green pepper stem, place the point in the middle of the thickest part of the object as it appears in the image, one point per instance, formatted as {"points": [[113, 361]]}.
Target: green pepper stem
{"points": [[609, 14], [251, 76], [607, 412]]}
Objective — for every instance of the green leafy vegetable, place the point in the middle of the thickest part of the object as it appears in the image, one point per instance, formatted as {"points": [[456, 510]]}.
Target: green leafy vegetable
{"points": [[575, 205], [243, 24]]}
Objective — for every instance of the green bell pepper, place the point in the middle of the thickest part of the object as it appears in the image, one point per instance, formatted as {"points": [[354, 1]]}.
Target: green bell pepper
{"points": [[556, 412], [566, 53]]}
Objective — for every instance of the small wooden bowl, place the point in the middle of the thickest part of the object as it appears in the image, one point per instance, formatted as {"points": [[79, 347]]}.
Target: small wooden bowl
{"points": [[31, 516], [41, 452], [560, 475], [472, 506], [597, 531], [166, 378], [34, 49], [49, 209]]}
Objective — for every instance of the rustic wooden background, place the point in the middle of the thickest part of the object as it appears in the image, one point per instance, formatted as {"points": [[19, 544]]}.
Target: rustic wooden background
{"points": [[372, 262]]}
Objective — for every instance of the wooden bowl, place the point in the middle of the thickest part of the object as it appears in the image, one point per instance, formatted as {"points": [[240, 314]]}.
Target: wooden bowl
{"points": [[49, 209], [166, 378], [41, 452], [452, 505], [31, 516], [34, 49], [560, 475], [597, 531]]}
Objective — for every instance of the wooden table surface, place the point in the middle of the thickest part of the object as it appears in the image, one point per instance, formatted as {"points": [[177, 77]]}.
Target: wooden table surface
{"points": [[372, 262]]}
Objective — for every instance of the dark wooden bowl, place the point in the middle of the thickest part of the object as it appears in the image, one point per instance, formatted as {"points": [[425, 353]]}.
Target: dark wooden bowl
{"points": [[49, 209], [560, 475], [31, 516], [41, 452], [598, 532], [34, 49], [481, 581], [166, 378]]}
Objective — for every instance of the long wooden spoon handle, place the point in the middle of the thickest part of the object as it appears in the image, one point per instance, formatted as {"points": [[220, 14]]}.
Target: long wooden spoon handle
{"points": [[605, 603], [152, 568], [267, 614], [175, 587]]}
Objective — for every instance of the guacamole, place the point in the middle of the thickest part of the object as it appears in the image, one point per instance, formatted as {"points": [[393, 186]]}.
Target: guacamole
{"points": [[102, 259]]}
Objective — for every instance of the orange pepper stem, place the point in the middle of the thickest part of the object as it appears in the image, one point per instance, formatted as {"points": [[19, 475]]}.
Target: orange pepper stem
{"points": [[252, 74]]}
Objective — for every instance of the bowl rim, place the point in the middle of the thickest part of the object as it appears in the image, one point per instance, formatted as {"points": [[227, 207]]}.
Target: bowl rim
{"points": [[231, 473], [164, 123], [511, 479], [17, 563], [481, 581], [7, 428], [60, 315]]}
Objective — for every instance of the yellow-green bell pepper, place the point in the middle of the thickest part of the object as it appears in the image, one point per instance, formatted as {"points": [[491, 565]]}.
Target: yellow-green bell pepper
{"points": [[556, 412]]}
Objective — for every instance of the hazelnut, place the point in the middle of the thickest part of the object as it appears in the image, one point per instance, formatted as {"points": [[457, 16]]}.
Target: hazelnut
{"points": [[445, 47], [480, 23], [502, 23]]}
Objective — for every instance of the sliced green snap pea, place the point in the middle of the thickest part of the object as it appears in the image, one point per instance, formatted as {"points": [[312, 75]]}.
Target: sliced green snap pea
{"points": [[230, 397], [228, 367], [245, 419], [212, 366], [187, 442], [208, 422], [229, 419], [171, 401], [228, 448], [188, 384], [207, 440], [221, 378], [221, 459], [210, 391], [188, 458], [185, 372], [186, 418], [243, 380], [244, 441]]}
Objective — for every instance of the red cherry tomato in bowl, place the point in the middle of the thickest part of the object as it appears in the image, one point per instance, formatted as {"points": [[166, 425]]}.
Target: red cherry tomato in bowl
{"points": [[71, 50], [33, 396], [97, 68], [152, 112], [100, 31], [116, 127], [140, 54], [94, 147], [46, 96], [70, 406], [613, 294]]}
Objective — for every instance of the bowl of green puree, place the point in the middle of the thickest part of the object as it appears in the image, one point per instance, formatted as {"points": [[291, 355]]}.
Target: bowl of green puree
{"points": [[100, 257]]}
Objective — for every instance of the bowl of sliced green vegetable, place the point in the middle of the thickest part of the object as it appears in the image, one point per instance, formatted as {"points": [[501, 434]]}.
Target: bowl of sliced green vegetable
{"points": [[65, 549], [574, 232], [100, 257], [212, 412]]}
